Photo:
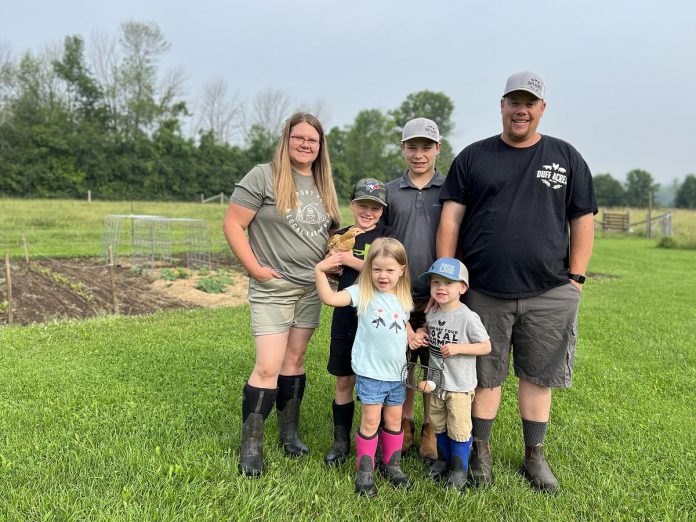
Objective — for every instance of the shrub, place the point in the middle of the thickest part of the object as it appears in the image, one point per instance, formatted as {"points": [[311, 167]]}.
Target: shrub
{"points": [[213, 285]]}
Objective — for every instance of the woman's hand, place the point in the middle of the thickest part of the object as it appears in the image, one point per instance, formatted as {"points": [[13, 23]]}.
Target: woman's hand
{"points": [[263, 274]]}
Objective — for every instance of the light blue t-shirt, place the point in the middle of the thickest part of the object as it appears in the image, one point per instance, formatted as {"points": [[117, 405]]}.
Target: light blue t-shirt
{"points": [[379, 349]]}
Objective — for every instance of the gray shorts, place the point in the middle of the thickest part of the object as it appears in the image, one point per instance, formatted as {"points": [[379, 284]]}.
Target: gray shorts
{"points": [[539, 331], [278, 305]]}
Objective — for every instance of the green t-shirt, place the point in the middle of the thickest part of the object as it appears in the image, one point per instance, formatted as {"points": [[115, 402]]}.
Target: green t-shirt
{"points": [[290, 243]]}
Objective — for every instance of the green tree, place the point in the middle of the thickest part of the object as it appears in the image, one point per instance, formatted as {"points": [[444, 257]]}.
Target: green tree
{"points": [[368, 151], [639, 185], [609, 191], [686, 195]]}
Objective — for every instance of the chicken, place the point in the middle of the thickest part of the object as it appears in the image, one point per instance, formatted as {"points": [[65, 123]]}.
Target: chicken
{"points": [[344, 242]]}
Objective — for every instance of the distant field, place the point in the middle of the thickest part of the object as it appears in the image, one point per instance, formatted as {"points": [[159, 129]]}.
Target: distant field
{"points": [[75, 228], [67, 228]]}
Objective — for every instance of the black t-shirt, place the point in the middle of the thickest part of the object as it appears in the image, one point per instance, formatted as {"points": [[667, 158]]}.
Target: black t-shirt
{"points": [[345, 320], [514, 237]]}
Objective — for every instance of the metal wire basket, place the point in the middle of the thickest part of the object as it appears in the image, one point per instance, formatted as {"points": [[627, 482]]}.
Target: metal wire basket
{"points": [[413, 373]]}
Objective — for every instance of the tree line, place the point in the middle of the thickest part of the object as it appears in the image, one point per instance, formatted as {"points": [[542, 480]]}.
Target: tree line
{"points": [[638, 188], [104, 118]]}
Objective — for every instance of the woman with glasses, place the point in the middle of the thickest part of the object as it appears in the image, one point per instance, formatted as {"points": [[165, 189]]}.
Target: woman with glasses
{"points": [[289, 209]]}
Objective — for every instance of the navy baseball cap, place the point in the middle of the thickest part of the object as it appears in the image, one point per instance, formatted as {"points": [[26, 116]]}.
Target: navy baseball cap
{"points": [[449, 268]]}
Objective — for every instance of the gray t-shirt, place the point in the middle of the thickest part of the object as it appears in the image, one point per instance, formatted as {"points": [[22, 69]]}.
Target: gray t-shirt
{"points": [[460, 326], [292, 243]]}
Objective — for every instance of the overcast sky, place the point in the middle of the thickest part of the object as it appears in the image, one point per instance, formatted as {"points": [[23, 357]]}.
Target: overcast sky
{"points": [[619, 73]]}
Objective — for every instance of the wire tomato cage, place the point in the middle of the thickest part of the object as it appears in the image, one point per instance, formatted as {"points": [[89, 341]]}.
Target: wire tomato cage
{"points": [[413, 375]]}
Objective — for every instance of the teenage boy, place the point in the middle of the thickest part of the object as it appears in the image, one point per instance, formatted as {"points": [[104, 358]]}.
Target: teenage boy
{"points": [[413, 212]]}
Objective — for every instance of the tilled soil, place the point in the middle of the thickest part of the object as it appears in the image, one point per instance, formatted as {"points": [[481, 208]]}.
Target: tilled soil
{"points": [[78, 288]]}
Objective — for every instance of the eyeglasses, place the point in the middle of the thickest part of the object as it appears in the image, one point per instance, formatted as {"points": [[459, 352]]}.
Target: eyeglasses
{"points": [[299, 140]]}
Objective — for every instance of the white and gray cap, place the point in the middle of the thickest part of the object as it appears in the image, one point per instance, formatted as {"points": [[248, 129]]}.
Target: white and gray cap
{"points": [[421, 128], [525, 81]]}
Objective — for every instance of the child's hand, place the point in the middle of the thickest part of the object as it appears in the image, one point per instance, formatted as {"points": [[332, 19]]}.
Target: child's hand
{"points": [[330, 264], [419, 339], [449, 349]]}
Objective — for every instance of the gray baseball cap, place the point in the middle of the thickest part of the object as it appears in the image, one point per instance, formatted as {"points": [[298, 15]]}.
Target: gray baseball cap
{"points": [[370, 188], [421, 128], [449, 268], [525, 81]]}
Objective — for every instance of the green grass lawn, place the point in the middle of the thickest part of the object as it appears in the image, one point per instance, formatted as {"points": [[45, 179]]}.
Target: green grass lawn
{"points": [[139, 418]]}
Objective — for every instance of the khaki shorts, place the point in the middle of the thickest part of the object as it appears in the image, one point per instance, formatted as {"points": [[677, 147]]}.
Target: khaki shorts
{"points": [[540, 332], [278, 305], [452, 414]]}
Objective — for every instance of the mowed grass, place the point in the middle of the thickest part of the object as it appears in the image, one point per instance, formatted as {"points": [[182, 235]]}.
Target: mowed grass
{"points": [[139, 418]]}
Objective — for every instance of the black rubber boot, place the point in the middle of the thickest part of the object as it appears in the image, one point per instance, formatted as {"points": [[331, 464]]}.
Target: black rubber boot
{"points": [[343, 421], [480, 464], [536, 470], [290, 393], [364, 478], [256, 405]]}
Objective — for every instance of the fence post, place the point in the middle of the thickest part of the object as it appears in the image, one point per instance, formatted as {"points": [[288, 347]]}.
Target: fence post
{"points": [[113, 280], [89, 196], [202, 198], [8, 278]]}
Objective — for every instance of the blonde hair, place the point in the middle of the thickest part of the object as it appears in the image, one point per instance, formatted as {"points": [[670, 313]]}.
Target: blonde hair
{"points": [[385, 247], [284, 183]]}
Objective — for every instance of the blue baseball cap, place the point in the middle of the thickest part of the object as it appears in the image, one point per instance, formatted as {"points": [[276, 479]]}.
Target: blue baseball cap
{"points": [[449, 268]]}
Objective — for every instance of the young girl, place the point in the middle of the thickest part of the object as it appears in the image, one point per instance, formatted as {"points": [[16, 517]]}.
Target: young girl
{"points": [[382, 296]]}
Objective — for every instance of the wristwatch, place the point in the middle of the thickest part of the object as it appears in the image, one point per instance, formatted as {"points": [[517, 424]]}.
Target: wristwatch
{"points": [[578, 278]]}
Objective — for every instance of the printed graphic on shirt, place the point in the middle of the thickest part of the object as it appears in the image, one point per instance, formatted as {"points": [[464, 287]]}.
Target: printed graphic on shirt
{"points": [[440, 335], [553, 176], [396, 320], [362, 253], [309, 219]]}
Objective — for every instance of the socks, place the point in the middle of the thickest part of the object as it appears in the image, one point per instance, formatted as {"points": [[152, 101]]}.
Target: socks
{"points": [[534, 432], [482, 428]]}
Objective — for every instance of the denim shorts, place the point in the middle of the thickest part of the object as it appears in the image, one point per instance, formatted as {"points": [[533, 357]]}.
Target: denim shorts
{"points": [[372, 391]]}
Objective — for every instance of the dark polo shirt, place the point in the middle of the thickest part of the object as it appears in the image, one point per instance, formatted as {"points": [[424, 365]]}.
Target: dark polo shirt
{"points": [[414, 215]]}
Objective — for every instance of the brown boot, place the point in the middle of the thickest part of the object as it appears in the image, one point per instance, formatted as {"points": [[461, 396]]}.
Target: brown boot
{"points": [[480, 464], [537, 471], [428, 444], [409, 434]]}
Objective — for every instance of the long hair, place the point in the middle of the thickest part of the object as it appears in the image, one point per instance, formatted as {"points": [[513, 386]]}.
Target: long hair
{"points": [[283, 182], [385, 247]]}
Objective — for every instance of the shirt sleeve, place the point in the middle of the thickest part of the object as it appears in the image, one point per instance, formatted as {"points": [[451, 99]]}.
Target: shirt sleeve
{"points": [[453, 187], [250, 191], [354, 295], [475, 331]]}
